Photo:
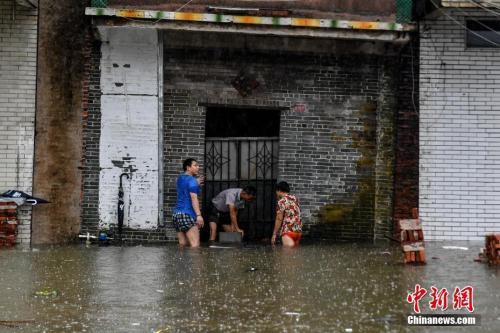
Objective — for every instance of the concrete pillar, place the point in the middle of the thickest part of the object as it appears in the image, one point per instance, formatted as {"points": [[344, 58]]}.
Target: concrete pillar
{"points": [[61, 35]]}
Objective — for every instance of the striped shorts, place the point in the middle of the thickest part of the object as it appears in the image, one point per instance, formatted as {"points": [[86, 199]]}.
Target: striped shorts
{"points": [[183, 222]]}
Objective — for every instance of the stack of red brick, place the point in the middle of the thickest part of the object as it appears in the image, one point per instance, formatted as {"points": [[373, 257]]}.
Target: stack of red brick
{"points": [[8, 223], [492, 249], [412, 239]]}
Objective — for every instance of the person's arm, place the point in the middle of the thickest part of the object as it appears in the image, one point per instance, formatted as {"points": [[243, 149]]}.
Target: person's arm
{"points": [[196, 207], [277, 226], [233, 214]]}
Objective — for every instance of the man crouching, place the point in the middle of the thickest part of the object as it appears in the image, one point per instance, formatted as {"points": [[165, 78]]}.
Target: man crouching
{"points": [[225, 209]]}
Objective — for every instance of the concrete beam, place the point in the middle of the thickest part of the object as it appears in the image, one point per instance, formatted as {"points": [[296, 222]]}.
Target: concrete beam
{"points": [[343, 34], [31, 4]]}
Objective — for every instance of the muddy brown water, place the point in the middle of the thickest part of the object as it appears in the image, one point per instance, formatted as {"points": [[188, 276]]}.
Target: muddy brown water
{"points": [[315, 288]]}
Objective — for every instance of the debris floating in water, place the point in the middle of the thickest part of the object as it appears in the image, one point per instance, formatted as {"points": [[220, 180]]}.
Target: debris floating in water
{"points": [[46, 293], [163, 330], [291, 313], [16, 323], [455, 248], [252, 269], [348, 329], [220, 247]]}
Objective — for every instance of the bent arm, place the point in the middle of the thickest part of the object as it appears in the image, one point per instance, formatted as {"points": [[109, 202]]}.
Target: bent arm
{"points": [[277, 225], [196, 207], [195, 203], [278, 222], [233, 214]]}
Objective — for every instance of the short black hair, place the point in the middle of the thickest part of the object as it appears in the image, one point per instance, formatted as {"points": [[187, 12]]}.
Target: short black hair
{"points": [[187, 163], [283, 187], [250, 190]]}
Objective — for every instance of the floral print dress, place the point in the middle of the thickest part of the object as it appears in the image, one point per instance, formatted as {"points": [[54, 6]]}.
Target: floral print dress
{"points": [[289, 206]]}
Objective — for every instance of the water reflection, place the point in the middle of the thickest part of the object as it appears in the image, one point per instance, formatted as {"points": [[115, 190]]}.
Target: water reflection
{"points": [[314, 288]]}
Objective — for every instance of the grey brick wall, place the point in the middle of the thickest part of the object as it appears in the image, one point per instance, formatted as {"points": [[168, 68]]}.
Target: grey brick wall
{"points": [[327, 152], [18, 33], [184, 135], [336, 149], [91, 137], [385, 156]]}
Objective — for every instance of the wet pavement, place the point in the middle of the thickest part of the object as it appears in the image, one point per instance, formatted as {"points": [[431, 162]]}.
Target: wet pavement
{"points": [[315, 288]]}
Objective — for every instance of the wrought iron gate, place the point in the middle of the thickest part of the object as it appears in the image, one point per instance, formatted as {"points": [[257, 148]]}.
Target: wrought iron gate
{"points": [[238, 162]]}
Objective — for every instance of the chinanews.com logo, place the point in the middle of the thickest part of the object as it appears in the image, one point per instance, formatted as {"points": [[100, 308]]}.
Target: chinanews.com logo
{"points": [[438, 300]]}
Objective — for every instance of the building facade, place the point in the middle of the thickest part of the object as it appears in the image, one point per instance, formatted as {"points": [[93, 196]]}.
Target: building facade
{"points": [[257, 95], [365, 119], [460, 120]]}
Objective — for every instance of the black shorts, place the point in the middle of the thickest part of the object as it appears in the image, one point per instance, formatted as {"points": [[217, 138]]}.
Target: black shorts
{"points": [[219, 217]]}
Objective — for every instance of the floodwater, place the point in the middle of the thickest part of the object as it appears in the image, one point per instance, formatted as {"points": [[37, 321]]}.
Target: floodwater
{"points": [[315, 288]]}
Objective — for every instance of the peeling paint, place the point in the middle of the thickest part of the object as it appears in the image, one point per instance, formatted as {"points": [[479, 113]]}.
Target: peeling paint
{"points": [[118, 164], [129, 127]]}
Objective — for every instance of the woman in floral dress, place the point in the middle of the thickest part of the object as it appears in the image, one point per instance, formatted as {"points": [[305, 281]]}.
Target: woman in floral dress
{"points": [[288, 224]]}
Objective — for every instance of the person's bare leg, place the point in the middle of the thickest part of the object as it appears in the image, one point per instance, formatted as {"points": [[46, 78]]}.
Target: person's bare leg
{"points": [[227, 228], [182, 239], [287, 241], [193, 236], [213, 231]]}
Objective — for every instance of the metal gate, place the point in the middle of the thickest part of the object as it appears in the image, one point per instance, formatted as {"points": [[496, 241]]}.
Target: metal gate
{"points": [[238, 162]]}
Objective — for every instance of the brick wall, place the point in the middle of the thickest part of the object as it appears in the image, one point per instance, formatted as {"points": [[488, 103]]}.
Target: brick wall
{"points": [[385, 148], [459, 131], [91, 136], [18, 33], [407, 149], [328, 152], [336, 136]]}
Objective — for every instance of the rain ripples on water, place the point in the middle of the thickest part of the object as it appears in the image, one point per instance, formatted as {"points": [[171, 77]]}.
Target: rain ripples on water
{"points": [[315, 288]]}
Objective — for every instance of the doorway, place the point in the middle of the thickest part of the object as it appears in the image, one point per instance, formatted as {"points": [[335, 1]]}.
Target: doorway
{"points": [[241, 149]]}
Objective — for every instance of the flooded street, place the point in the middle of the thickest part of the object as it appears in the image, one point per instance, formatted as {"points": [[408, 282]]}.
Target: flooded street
{"points": [[316, 288]]}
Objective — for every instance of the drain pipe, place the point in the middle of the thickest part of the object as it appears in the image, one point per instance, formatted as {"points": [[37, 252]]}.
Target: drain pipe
{"points": [[121, 206]]}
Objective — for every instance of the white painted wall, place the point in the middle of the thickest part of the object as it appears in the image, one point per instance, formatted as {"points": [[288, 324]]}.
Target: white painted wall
{"points": [[129, 126], [18, 33], [459, 132]]}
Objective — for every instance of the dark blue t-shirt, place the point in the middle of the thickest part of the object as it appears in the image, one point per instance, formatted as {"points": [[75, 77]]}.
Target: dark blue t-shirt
{"points": [[186, 184]]}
